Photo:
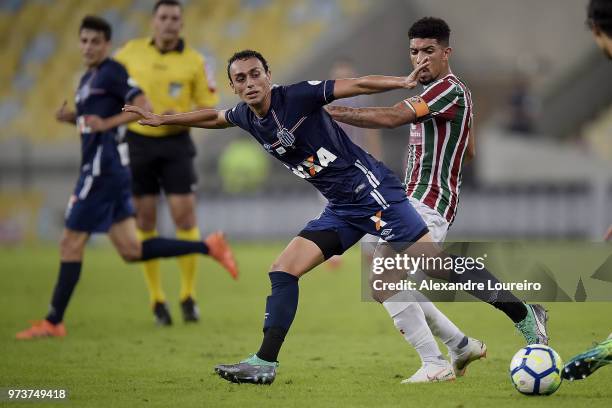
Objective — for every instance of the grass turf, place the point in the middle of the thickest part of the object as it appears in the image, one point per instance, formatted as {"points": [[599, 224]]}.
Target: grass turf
{"points": [[340, 352]]}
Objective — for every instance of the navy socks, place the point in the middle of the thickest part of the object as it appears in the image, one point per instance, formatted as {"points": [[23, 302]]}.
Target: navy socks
{"points": [[503, 300], [166, 247], [281, 307], [66, 281]]}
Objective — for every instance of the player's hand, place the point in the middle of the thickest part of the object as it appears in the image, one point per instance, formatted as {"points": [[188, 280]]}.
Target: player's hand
{"points": [[608, 234], [148, 118], [96, 123], [64, 115], [411, 80]]}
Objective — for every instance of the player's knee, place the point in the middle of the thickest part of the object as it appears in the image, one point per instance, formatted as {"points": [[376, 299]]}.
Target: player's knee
{"points": [[146, 220], [130, 251], [185, 221], [285, 267], [70, 248], [278, 266]]}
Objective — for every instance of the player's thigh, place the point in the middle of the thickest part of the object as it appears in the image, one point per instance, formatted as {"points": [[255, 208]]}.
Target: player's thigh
{"points": [[183, 210], [299, 257], [436, 223], [146, 211], [331, 233], [72, 245]]}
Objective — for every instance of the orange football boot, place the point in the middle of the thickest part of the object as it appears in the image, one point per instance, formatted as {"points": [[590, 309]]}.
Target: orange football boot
{"points": [[220, 250], [43, 328]]}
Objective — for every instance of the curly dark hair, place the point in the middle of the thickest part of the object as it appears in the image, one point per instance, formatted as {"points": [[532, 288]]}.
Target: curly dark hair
{"points": [[243, 55], [599, 14], [430, 27]]}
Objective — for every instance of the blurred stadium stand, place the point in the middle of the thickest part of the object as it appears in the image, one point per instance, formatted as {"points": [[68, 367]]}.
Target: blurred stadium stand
{"points": [[555, 183]]}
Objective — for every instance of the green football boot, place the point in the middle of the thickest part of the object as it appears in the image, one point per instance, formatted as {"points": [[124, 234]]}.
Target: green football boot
{"points": [[585, 364], [533, 326], [253, 370]]}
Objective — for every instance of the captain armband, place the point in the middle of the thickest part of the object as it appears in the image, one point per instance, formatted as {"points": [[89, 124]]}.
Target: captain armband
{"points": [[418, 106]]}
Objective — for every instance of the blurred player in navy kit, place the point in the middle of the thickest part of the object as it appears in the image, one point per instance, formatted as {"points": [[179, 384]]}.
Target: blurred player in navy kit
{"points": [[101, 202]]}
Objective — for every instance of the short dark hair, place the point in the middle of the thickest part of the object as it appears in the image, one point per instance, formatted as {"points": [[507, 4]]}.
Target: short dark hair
{"points": [[96, 23], [430, 27], [243, 55], [160, 3], [599, 14]]}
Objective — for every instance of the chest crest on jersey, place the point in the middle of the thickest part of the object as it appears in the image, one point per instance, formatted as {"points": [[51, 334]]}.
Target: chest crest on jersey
{"points": [[285, 138]]}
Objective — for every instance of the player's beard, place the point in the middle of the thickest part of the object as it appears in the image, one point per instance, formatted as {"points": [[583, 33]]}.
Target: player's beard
{"points": [[427, 81]]}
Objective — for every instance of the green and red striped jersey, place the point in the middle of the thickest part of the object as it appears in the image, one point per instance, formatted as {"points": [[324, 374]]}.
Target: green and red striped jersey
{"points": [[437, 144]]}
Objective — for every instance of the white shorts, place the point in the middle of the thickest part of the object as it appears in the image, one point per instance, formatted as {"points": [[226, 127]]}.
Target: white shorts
{"points": [[437, 224]]}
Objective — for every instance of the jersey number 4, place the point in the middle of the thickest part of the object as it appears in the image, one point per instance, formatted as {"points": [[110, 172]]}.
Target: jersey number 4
{"points": [[309, 167]]}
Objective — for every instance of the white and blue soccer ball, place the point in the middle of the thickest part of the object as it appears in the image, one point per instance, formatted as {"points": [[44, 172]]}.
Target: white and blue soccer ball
{"points": [[536, 370]]}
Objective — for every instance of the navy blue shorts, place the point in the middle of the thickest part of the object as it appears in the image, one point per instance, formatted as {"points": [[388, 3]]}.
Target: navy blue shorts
{"points": [[393, 222], [99, 202]]}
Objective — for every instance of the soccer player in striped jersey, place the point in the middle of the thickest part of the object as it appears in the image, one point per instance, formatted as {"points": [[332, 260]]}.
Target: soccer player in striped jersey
{"points": [[440, 143]]}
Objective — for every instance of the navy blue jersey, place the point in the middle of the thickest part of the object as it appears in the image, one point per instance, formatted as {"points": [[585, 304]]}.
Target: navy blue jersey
{"points": [[301, 134], [102, 91]]}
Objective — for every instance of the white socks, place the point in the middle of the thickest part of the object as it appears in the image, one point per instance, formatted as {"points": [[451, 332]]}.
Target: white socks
{"points": [[419, 320], [410, 321], [440, 325]]}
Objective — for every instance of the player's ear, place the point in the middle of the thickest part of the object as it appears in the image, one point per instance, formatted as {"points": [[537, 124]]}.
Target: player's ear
{"points": [[447, 53], [232, 86]]}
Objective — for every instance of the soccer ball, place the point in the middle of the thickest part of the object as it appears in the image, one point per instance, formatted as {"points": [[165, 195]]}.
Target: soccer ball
{"points": [[536, 370]]}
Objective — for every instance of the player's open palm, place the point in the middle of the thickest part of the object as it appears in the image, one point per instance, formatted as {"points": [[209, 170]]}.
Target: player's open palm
{"points": [[148, 118], [411, 80]]}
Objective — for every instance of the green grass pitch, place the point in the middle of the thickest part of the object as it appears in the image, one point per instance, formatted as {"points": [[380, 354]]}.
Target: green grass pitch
{"points": [[340, 352]]}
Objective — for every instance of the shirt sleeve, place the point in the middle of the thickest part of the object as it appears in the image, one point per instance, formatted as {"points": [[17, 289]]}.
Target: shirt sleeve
{"points": [[122, 86], [439, 100], [237, 116], [205, 93], [311, 95]]}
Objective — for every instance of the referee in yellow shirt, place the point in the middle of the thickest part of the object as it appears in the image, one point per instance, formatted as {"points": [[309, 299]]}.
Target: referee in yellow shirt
{"points": [[173, 76]]}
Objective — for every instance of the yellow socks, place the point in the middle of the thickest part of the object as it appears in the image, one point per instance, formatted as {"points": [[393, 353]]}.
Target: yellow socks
{"points": [[151, 271], [188, 263]]}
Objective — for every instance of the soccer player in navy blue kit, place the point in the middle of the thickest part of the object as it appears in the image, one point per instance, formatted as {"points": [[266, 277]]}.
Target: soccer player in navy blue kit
{"points": [[102, 198], [364, 196]]}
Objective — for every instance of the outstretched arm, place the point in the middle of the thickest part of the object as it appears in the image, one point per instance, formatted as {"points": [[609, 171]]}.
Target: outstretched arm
{"points": [[373, 118], [205, 118], [346, 88], [98, 124]]}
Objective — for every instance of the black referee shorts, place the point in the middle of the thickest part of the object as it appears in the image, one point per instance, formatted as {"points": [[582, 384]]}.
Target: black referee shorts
{"points": [[162, 163]]}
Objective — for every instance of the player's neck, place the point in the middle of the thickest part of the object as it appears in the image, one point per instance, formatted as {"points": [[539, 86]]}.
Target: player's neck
{"points": [[96, 64], [445, 72], [261, 109], [165, 46]]}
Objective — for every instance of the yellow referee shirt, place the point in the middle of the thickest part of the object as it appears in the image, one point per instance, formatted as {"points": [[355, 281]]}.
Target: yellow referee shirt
{"points": [[172, 81]]}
